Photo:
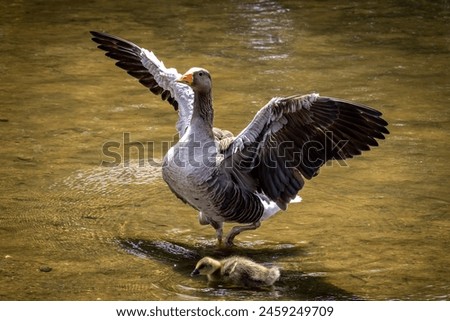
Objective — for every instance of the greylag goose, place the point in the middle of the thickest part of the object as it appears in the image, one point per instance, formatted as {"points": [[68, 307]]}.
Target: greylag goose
{"points": [[248, 178], [236, 270]]}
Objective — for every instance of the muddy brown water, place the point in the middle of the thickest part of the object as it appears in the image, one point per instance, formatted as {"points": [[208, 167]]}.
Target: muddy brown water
{"points": [[374, 228]]}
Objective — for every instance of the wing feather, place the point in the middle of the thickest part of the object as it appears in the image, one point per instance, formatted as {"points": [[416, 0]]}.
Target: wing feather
{"points": [[291, 138], [151, 72]]}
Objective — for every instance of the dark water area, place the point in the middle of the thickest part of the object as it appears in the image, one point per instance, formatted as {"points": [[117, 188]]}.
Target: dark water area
{"points": [[376, 227]]}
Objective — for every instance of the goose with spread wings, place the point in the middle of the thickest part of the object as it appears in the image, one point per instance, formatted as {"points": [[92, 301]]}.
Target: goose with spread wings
{"points": [[247, 178]]}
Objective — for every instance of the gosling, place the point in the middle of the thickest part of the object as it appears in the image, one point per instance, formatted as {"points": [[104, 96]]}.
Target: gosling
{"points": [[237, 271]]}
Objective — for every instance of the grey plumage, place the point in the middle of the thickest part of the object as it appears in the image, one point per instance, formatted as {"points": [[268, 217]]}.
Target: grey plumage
{"points": [[247, 178]]}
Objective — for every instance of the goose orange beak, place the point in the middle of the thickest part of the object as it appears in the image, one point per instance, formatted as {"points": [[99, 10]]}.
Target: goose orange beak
{"points": [[187, 78]]}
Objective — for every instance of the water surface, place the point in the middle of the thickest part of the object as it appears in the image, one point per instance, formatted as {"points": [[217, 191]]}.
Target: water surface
{"points": [[374, 229]]}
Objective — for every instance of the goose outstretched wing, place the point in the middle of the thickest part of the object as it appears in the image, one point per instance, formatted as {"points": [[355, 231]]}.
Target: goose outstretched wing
{"points": [[291, 138], [151, 72]]}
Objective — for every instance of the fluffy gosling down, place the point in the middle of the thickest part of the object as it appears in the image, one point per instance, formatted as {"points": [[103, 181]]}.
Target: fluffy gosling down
{"points": [[237, 271]]}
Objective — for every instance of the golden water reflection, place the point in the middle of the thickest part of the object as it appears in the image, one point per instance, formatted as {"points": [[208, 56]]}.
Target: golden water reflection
{"points": [[376, 229]]}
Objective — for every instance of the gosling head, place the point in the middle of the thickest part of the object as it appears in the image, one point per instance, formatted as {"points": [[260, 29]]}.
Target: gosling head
{"points": [[206, 266]]}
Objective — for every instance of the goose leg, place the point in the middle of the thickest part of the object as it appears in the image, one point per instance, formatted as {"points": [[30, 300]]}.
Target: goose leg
{"points": [[238, 229], [219, 234], [219, 230], [205, 220]]}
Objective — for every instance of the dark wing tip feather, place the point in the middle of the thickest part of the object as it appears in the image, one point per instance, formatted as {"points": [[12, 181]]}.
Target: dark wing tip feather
{"points": [[359, 125], [128, 56]]}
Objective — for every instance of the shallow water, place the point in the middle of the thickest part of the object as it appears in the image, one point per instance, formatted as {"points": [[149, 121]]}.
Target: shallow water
{"points": [[374, 228]]}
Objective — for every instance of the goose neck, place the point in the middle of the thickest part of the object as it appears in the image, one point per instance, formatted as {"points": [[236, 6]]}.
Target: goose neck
{"points": [[203, 109]]}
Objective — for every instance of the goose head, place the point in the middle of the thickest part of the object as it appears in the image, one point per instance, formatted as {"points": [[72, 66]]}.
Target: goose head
{"points": [[198, 79]]}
